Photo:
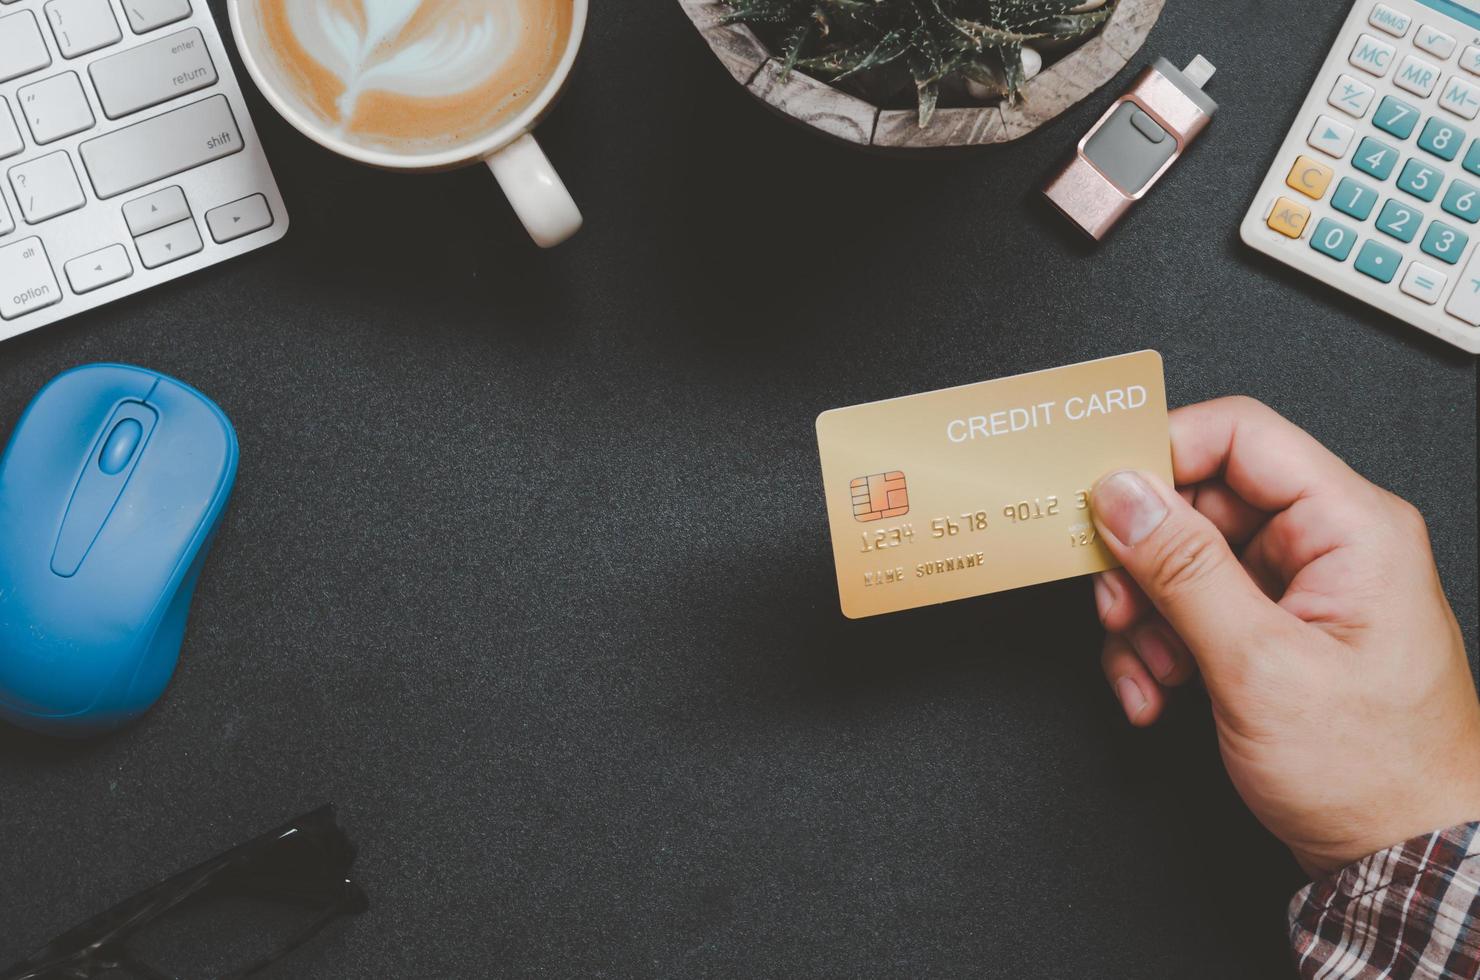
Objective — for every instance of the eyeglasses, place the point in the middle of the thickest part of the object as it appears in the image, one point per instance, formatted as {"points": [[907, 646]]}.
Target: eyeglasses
{"points": [[304, 864]]}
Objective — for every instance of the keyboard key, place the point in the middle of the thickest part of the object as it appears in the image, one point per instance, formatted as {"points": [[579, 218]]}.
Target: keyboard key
{"points": [[1420, 180], [1354, 199], [1470, 60], [146, 15], [163, 207], [1310, 177], [1330, 137], [1463, 201], [1417, 76], [1378, 261], [1372, 56], [1461, 98], [46, 187], [98, 269], [1464, 302], [81, 26], [1435, 42], [168, 244], [1395, 117], [1289, 218], [7, 223], [26, 281], [1333, 239], [1445, 243], [152, 73], [22, 48], [1351, 96], [1385, 18], [1423, 283], [55, 107], [239, 218], [1374, 158], [1400, 221], [1441, 139], [161, 146], [10, 136]]}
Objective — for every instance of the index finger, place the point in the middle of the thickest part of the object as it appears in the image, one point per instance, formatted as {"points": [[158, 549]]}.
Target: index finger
{"points": [[1263, 457]]}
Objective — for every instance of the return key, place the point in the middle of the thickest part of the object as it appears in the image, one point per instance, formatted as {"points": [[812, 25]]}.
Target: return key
{"points": [[152, 73]]}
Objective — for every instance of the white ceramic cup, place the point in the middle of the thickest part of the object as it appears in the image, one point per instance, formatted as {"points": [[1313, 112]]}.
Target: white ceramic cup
{"points": [[524, 172]]}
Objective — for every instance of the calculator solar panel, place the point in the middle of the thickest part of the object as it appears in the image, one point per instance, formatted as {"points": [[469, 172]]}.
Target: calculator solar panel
{"points": [[1376, 190]]}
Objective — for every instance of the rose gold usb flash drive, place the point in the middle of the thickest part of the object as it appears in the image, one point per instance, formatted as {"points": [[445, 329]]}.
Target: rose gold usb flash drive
{"points": [[1133, 144]]}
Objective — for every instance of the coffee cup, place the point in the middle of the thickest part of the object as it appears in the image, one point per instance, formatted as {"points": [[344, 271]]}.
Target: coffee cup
{"points": [[424, 85]]}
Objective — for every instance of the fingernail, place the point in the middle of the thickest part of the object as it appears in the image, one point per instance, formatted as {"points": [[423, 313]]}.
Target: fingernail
{"points": [[1131, 698], [1127, 506], [1104, 597], [1155, 653]]}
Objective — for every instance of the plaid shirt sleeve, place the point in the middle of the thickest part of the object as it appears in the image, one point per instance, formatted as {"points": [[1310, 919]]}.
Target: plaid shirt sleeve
{"points": [[1411, 911]]}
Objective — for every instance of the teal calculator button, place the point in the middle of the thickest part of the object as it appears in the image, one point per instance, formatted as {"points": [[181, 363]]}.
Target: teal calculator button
{"points": [[1420, 180], [1375, 158], [1445, 243], [1395, 117], [1399, 220], [1378, 261], [1333, 240], [1441, 139], [1354, 198], [1463, 201], [1472, 158]]}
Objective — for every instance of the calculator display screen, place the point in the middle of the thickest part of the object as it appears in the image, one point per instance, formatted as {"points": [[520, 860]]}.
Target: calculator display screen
{"points": [[1467, 12]]}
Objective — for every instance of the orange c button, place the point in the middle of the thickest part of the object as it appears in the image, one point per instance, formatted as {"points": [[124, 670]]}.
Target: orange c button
{"points": [[1310, 177]]}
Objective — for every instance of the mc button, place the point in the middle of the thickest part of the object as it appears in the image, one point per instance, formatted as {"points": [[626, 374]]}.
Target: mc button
{"points": [[1310, 178]]}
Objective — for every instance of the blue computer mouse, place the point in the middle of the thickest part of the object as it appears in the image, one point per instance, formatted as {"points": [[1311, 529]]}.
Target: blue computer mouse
{"points": [[111, 491]]}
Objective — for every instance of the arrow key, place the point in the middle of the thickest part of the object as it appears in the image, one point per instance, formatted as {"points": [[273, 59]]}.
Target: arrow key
{"points": [[1331, 137], [163, 207], [98, 269], [168, 244], [239, 218]]}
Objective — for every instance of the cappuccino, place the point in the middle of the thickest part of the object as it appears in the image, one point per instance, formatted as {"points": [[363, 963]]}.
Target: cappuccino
{"points": [[413, 76]]}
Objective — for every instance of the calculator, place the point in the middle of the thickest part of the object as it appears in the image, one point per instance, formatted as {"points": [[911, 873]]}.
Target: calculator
{"points": [[1376, 190]]}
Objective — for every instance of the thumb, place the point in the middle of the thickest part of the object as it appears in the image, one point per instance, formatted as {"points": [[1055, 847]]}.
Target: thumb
{"points": [[1184, 565]]}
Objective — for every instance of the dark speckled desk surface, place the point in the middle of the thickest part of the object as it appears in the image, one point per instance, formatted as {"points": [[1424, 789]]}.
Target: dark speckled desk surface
{"points": [[527, 567]]}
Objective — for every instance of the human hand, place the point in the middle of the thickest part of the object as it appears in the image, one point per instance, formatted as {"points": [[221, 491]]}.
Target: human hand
{"points": [[1344, 704]]}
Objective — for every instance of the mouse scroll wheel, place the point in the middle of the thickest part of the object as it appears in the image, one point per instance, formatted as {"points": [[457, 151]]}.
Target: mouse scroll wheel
{"points": [[119, 447]]}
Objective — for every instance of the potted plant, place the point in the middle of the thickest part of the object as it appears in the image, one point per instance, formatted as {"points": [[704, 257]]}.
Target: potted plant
{"points": [[920, 74]]}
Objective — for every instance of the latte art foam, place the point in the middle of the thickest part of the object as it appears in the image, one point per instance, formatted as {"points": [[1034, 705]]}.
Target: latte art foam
{"points": [[415, 76]]}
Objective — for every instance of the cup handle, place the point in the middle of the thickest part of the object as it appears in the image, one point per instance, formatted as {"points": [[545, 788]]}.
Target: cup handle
{"points": [[536, 191]]}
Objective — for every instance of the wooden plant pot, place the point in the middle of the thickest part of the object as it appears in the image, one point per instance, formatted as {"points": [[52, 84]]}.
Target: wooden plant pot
{"points": [[851, 119]]}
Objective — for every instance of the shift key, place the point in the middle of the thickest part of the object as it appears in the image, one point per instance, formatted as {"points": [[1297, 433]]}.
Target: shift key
{"points": [[152, 73], [161, 146]]}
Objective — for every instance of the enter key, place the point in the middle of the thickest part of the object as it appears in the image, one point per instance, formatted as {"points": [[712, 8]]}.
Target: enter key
{"points": [[153, 73]]}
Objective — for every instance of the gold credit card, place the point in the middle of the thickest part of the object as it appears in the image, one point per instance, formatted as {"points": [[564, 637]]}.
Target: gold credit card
{"points": [[983, 488]]}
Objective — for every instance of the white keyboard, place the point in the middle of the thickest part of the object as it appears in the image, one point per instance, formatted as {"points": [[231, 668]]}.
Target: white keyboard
{"points": [[1376, 189], [127, 157]]}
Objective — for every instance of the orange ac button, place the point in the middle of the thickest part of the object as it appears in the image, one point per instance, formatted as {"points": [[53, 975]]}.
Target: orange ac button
{"points": [[1289, 218], [1310, 177]]}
